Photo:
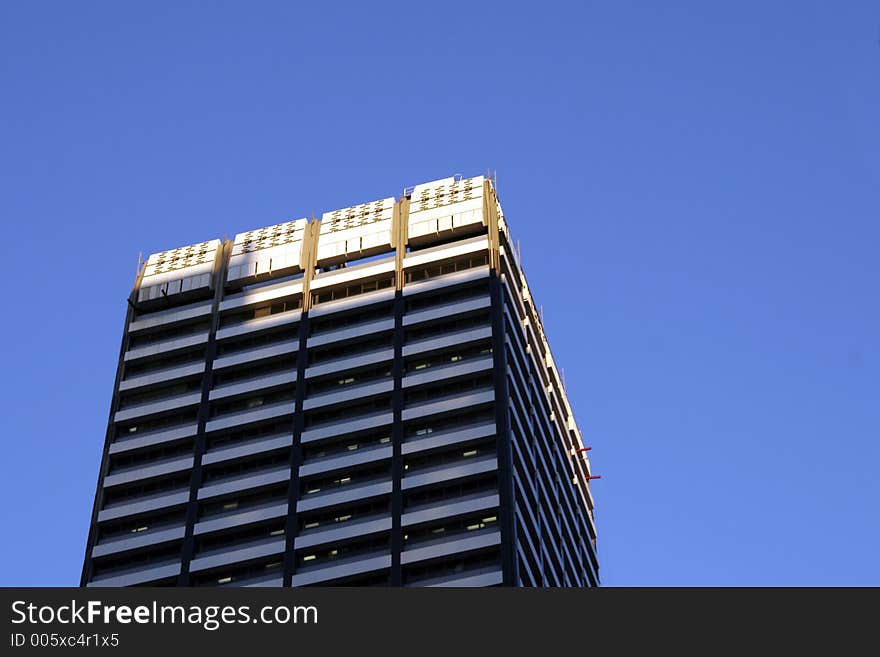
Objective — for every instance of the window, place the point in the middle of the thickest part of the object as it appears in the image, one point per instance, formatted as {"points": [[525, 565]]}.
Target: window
{"points": [[251, 534], [344, 292], [458, 453], [348, 319], [124, 494], [429, 393], [348, 412], [435, 329], [247, 465], [255, 432], [141, 427], [444, 567], [458, 355], [252, 370], [142, 338], [466, 487], [344, 479], [175, 359], [350, 348], [243, 501], [136, 397], [227, 575], [357, 511], [131, 526], [284, 395], [129, 560], [342, 380], [315, 556], [423, 427], [261, 339], [446, 296], [485, 520], [262, 310], [139, 458], [443, 268], [346, 444]]}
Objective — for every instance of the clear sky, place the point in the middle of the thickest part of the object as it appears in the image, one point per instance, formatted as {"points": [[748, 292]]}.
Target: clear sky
{"points": [[696, 190]]}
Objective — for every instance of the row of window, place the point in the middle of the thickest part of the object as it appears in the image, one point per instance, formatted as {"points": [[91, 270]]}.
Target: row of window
{"points": [[316, 356], [317, 386], [275, 528], [412, 575], [264, 461]]}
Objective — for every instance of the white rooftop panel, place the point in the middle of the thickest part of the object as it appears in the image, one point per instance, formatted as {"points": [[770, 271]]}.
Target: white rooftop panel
{"points": [[357, 216], [195, 256], [447, 191], [179, 270], [264, 238], [266, 250], [358, 231], [444, 206]]}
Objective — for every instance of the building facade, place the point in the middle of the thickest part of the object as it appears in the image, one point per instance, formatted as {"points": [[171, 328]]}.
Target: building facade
{"points": [[368, 399]]}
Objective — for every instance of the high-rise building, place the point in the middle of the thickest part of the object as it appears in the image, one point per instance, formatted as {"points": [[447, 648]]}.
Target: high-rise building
{"points": [[368, 399]]}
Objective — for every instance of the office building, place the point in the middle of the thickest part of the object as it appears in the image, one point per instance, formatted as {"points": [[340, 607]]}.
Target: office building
{"points": [[368, 399]]}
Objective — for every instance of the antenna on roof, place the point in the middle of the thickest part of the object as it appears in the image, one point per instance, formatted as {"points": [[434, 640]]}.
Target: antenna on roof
{"points": [[140, 263]]}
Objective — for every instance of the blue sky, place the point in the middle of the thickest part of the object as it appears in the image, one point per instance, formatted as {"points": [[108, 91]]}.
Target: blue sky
{"points": [[696, 190]]}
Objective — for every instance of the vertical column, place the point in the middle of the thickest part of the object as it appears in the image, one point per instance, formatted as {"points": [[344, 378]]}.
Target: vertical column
{"points": [[398, 232], [192, 510], [291, 528], [397, 371]]}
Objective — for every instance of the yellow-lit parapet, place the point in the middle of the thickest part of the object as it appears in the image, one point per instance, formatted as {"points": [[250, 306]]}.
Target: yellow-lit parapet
{"points": [[178, 271]]}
